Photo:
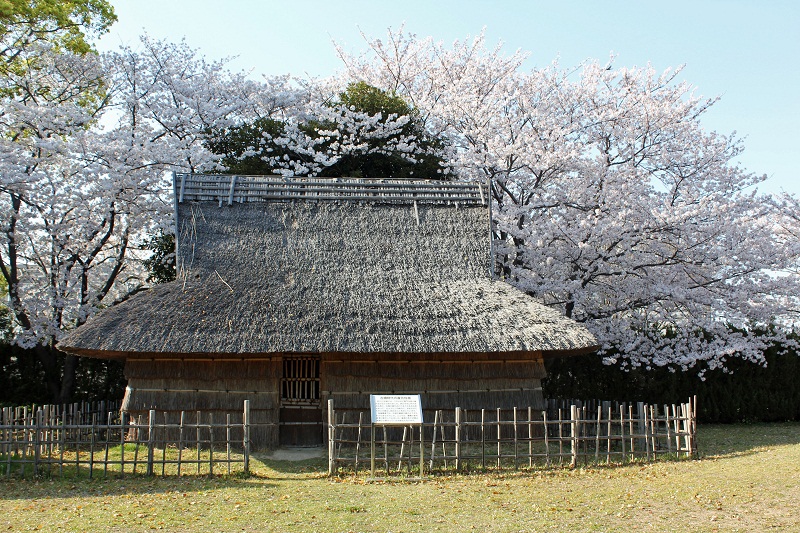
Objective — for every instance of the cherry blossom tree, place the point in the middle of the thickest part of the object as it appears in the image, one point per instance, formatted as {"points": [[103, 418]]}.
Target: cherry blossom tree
{"points": [[85, 147], [613, 203]]}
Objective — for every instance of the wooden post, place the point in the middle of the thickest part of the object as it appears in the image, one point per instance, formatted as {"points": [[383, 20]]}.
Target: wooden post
{"points": [[433, 439], [483, 439], [372, 451], [546, 439], [693, 425], [673, 418], [516, 453], [108, 438], [228, 441], [597, 435], [458, 438], [622, 430], [443, 437], [385, 450], [36, 441], [210, 444], [180, 440], [138, 434], [402, 449], [422, 449], [151, 435], [246, 436], [654, 430], [358, 442], [331, 437], [122, 443], [499, 439], [164, 446], [643, 417], [573, 415], [197, 436], [560, 436], [608, 434], [630, 431], [530, 438], [687, 424], [92, 429], [61, 443], [669, 428]]}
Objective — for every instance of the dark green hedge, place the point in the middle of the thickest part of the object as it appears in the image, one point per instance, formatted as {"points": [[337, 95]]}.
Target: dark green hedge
{"points": [[22, 380], [746, 392]]}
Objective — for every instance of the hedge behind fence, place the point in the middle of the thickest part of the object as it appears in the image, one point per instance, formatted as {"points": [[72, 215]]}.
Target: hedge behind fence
{"points": [[750, 393]]}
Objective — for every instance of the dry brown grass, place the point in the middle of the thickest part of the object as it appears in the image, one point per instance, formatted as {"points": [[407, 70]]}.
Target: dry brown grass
{"points": [[747, 480]]}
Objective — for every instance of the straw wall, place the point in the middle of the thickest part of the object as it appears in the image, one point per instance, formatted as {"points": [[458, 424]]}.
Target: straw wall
{"points": [[212, 386], [469, 381]]}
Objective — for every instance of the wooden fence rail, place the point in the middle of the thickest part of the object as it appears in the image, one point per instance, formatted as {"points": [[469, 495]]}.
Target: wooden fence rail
{"points": [[591, 432], [62, 441]]}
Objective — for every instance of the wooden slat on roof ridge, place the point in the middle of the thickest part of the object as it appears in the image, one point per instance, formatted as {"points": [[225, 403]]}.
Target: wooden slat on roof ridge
{"points": [[213, 187]]}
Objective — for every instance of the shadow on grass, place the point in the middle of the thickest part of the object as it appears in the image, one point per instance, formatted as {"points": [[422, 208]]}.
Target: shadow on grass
{"points": [[726, 440], [42, 487], [714, 441], [69, 481]]}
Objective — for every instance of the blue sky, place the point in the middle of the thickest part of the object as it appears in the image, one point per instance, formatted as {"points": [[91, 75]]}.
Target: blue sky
{"points": [[748, 52]]}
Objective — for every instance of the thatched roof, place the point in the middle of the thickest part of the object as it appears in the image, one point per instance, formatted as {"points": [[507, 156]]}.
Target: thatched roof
{"points": [[299, 276]]}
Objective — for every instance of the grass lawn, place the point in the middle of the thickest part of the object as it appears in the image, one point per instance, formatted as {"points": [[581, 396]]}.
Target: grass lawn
{"points": [[747, 480]]}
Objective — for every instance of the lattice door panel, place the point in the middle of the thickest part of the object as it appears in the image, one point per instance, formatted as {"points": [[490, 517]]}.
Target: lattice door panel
{"points": [[300, 383]]}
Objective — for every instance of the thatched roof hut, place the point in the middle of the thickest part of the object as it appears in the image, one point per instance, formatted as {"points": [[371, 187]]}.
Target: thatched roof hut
{"points": [[287, 287]]}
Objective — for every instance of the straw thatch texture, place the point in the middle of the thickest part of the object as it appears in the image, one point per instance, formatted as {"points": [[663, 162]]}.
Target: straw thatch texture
{"points": [[216, 388], [299, 277]]}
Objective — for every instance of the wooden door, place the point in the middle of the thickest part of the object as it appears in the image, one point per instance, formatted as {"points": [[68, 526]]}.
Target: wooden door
{"points": [[301, 415]]}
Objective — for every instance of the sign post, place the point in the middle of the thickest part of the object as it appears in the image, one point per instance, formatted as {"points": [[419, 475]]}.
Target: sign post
{"points": [[396, 410]]}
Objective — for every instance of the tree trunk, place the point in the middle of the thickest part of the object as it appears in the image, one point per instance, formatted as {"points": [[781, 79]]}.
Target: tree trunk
{"points": [[59, 372], [68, 377]]}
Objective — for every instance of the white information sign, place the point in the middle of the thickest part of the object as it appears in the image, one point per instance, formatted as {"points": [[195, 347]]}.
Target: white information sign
{"points": [[395, 409]]}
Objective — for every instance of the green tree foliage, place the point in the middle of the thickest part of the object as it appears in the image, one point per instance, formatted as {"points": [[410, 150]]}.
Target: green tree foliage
{"points": [[243, 147], [28, 27], [161, 263], [365, 98], [254, 148], [63, 23]]}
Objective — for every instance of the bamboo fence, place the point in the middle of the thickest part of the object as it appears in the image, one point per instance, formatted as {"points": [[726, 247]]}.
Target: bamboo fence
{"points": [[80, 439], [568, 433]]}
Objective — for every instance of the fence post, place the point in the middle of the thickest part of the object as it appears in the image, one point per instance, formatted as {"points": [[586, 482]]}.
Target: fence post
{"points": [[458, 438], [151, 435], [331, 438], [693, 407], [687, 429], [573, 415], [690, 428], [37, 416], [246, 436]]}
